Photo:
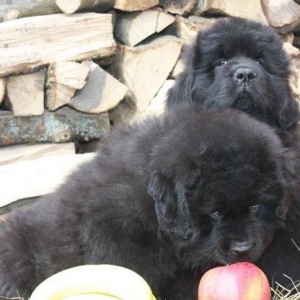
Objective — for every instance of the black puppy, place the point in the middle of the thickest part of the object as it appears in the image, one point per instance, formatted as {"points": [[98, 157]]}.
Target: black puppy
{"points": [[241, 64], [169, 199]]}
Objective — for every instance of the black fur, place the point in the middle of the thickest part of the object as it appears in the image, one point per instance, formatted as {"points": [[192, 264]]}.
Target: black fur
{"points": [[213, 63], [149, 202]]}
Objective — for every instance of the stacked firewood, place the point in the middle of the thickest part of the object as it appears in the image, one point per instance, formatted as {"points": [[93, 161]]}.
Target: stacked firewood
{"points": [[71, 68], [64, 64]]}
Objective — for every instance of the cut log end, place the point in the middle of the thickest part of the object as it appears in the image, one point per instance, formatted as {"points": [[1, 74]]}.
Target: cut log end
{"points": [[101, 92], [26, 93], [63, 79], [135, 65], [68, 6]]}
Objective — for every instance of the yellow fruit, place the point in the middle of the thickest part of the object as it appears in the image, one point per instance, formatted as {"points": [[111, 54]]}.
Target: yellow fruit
{"points": [[94, 282]]}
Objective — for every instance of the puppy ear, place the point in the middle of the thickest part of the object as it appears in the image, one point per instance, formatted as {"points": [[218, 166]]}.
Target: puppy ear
{"points": [[182, 91], [171, 206], [290, 178], [289, 112], [284, 207]]}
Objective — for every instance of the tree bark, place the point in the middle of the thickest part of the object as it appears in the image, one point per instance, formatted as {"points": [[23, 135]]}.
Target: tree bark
{"points": [[63, 126], [15, 9]]}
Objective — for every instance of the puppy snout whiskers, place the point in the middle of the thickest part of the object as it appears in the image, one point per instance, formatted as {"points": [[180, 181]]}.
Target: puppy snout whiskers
{"points": [[241, 248], [244, 76]]}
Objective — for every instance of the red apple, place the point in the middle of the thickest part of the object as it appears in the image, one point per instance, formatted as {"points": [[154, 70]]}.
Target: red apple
{"points": [[240, 281]]}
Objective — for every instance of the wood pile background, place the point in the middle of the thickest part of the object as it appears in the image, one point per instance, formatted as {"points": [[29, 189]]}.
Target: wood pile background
{"points": [[71, 69]]}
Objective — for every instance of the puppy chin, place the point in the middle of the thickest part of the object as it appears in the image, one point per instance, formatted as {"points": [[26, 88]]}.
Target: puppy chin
{"points": [[245, 102], [228, 258]]}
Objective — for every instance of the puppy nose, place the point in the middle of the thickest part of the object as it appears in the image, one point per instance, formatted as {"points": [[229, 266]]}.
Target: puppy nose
{"points": [[241, 248], [244, 76]]}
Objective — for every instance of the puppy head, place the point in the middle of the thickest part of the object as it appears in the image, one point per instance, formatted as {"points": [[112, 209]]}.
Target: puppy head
{"points": [[221, 184], [240, 64]]}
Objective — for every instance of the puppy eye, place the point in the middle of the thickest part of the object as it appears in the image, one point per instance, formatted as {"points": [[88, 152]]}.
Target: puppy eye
{"points": [[259, 62], [216, 215], [222, 62], [254, 207]]}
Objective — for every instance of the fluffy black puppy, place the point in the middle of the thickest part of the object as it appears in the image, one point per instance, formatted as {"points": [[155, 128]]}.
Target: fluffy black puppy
{"points": [[168, 199], [238, 63]]}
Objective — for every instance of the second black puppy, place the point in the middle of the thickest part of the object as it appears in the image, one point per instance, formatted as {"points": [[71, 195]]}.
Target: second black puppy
{"points": [[168, 199], [241, 64]]}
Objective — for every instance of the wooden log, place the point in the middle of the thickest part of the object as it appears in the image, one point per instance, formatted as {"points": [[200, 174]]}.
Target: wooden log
{"points": [[132, 28], [36, 177], [63, 126], [188, 28], [282, 15], [63, 79], [14, 9], [2, 89], [178, 68], [64, 38], [101, 92], [288, 37], [26, 93], [144, 69], [157, 105], [124, 113], [178, 7], [71, 6], [235, 8], [294, 78], [17, 153], [135, 5]]}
